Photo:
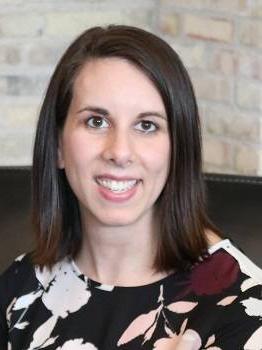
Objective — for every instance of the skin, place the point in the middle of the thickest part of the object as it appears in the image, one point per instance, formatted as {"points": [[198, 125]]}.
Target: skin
{"points": [[116, 124]]}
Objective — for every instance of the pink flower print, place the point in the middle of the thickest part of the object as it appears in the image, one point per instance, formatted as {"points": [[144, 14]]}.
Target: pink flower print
{"points": [[181, 307], [210, 343], [186, 340], [227, 300], [145, 324], [142, 324]]}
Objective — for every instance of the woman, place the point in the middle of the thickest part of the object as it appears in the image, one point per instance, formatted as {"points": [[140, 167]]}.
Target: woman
{"points": [[126, 257]]}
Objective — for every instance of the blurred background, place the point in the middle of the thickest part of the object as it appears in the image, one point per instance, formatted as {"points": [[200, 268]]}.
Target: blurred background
{"points": [[219, 41]]}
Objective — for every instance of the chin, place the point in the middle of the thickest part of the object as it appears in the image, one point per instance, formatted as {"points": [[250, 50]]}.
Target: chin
{"points": [[117, 222], [114, 216], [119, 219]]}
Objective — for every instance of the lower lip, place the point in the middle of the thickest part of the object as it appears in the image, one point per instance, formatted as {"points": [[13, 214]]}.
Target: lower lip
{"points": [[117, 197]]}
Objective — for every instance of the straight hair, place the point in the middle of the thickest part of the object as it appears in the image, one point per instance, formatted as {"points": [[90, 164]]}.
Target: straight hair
{"points": [[181, 207]]}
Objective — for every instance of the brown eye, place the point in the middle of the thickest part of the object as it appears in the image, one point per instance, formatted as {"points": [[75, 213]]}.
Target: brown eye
{"points": [[147, 126], [97, 122]]}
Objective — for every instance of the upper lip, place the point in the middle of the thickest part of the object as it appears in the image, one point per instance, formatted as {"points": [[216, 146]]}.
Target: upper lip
{"points": [[116, 178]]}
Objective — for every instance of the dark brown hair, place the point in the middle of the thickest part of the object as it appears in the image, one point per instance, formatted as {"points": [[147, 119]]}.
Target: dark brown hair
{"points": [[182, 217]]}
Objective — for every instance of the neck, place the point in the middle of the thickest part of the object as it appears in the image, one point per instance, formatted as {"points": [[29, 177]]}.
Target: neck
{"points": [[118, 255]]}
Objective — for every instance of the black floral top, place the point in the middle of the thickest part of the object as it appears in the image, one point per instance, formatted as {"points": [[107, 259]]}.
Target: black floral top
{"points": [[217, 305]]}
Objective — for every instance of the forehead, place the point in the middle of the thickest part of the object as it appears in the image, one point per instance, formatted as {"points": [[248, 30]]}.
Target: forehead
{"points": [[104, 67], [108, 78]]}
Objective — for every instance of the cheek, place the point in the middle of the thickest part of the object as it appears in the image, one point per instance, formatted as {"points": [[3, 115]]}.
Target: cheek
{"points": [[75, 151], [76, 159], [160, 157]]}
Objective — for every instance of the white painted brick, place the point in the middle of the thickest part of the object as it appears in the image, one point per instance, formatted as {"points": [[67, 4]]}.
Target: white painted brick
{"points": [[3, 86], [227, 122], [169, 23], [16, 148], [255, 8], [213, 88], [250, 33], [22, 85], [207, 28], [224, 169], [247, 159], [73, 23], [220, 5], [193, 56], [9, 55], [220, 47], [250, 65], [249, 94], [19, 25], [18, 117], [223, 61], [45, 54], [216, 152]]}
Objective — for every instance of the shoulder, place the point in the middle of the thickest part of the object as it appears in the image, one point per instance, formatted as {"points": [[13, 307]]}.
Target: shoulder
{"points": [[22, 276], [240, 323], [16, 278], [226, 253], [21, 265], [227, 288], [226, 270]]}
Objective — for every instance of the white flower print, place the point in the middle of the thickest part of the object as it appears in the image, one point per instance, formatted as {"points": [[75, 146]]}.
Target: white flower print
{"points": [[253, 306], [22, 325], [65, 294], [26, 300], [76, 344], [41, 337], [254, 342], [249, 283], [9, 312], [20, 257], [65, 285], [22, 302]]}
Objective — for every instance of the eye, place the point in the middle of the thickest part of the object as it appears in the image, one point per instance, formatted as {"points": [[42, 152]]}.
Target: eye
{"points": [[97, 122], [147, 126]]}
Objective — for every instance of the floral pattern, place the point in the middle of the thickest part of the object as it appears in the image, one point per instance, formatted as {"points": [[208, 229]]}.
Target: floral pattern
{"points": [[215, 306]]}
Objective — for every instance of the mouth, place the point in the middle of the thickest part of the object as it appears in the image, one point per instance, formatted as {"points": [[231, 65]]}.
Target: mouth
{"points": [[117, 186]]}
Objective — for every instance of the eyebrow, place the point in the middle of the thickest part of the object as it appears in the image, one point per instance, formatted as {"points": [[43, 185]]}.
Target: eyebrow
{"points": [[106, 113]]}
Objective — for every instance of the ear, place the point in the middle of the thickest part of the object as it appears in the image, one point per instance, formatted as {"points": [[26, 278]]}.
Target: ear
{"points": [[60, 156]]}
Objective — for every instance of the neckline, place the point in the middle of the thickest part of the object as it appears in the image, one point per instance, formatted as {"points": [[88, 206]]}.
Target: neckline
{"points": [[108, 287]]}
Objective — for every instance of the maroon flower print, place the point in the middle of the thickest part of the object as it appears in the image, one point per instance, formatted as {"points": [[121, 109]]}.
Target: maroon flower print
{"points": [[214, 274]]}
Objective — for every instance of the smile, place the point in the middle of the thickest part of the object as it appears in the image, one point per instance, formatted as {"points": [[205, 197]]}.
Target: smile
{"points": [[117, 186]]}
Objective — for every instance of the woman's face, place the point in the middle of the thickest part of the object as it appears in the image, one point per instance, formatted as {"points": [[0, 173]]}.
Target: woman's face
{"points": [[115, 145]]}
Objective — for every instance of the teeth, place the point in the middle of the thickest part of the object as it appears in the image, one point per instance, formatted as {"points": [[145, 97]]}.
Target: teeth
{"points": [[117, 186]]}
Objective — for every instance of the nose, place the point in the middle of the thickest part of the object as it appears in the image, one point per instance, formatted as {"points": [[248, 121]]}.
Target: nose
{"points": [[119, 149]]}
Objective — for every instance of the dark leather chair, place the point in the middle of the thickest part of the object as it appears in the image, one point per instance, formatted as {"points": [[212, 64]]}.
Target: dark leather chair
{"points": [[234, 204]]}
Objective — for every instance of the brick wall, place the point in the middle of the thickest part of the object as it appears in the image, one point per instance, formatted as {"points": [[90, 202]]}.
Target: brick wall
{"points": [[220, 42]]}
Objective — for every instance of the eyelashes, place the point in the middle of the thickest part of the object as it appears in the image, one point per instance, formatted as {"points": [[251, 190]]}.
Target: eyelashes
{"points": [[96, 122], [148, 126], [100, 123]]}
